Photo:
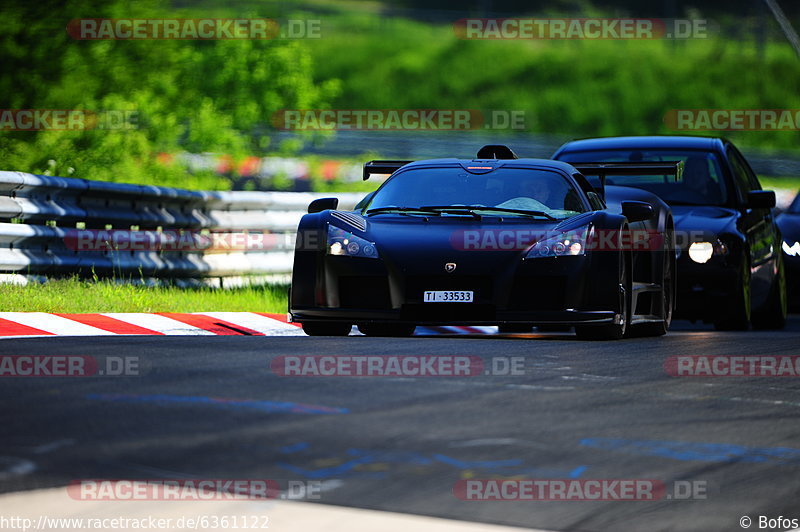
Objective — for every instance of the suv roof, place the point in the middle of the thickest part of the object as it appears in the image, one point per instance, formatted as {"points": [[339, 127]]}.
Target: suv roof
{"points": [[643, 142]]}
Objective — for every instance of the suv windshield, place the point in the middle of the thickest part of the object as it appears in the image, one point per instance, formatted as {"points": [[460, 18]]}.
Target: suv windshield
{"points": [[507, 189], [702, 183], [794, 208]]}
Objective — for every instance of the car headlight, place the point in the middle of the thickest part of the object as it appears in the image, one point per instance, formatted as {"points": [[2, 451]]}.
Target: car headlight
{"points": [[701, 252], [791, 250], [345, 243], [570, 243]]}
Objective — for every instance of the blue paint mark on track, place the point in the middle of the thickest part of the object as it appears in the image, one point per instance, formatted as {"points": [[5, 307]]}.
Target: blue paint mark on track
{"points": [[344, 470], [493, 464], [693, 451], [295, 448], [396, 457], [351, 464], [262, 406]]}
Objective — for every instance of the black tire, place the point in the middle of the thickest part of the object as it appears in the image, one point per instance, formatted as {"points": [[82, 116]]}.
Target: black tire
{"points": [[772, 316], [738, 318], [613, 331], [386, 329], [316, 328], [515, 328], [660, 328]]}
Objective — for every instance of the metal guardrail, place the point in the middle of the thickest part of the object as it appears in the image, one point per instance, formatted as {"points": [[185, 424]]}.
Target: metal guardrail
{"points": [[57, 226], [62, 226]]}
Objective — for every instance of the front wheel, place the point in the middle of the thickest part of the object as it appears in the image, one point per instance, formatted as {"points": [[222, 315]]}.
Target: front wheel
{"points": [[738, 318], [617, 330], [326, 329], [772, 315]]}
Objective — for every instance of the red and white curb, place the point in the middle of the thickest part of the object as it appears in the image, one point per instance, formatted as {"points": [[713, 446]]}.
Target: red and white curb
{"points": [[33, 324], [36, 324]]}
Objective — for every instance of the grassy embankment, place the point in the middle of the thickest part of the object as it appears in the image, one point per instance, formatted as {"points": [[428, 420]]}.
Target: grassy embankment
{"points": [[77, 296]]}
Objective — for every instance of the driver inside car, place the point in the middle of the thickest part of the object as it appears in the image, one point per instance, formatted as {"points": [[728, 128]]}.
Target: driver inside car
{"points": [[530, 194], [697, 178]]}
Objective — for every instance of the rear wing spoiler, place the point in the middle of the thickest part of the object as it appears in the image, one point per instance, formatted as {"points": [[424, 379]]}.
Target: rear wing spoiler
{"points": [[490, 151], [382, 167], [496, 151], [601, 170]]}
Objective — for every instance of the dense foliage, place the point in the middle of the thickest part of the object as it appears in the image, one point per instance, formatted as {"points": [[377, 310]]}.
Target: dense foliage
{"points": [[188, 95], [218, 96]]}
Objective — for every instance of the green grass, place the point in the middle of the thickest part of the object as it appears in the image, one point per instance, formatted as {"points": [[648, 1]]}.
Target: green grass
{"points": [[780, 182], [578, 88], [79, 296]]}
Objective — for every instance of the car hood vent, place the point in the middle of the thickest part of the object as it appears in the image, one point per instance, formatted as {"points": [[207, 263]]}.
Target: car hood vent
{"points": [[351, 219]]}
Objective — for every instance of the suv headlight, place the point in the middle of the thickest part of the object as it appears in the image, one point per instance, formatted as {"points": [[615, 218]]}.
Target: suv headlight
{"points": [[701, 252], [792, 250], [570, 243], [345, 243]]}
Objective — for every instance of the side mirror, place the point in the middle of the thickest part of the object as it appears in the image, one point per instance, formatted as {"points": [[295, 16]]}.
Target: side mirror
{"points": [[761, 199], [637, 211], [322, 204]]}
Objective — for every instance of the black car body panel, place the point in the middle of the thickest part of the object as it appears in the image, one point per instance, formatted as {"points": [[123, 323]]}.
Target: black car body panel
{"points": [[742, 236], [415, 253]]}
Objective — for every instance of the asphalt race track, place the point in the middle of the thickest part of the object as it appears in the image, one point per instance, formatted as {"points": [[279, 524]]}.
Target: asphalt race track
{"points": [[211, 407]]}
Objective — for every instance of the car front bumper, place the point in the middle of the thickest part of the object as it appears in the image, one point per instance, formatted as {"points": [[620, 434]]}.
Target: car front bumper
{"points": [[559, 290], [706, 291]]}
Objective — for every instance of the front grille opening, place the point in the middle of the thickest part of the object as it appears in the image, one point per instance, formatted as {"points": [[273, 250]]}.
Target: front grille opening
{"points": [[538, 293], [364, 292]]}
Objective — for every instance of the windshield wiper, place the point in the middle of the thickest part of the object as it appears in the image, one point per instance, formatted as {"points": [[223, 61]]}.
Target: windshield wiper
{"points": [[385, 210], [451, 209], [472, 208]]}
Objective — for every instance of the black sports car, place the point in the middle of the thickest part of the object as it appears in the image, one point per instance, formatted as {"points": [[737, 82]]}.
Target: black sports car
{"points": [[730, 268], [789, 223], [495, 240]]}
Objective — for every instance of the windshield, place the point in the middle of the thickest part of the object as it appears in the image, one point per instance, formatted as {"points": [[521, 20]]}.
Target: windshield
{"points": [[514, 191], [794, 208], [702, 182]]}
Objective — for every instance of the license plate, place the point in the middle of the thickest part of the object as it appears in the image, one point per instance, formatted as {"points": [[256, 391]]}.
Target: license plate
{"points": [[448, 296]]}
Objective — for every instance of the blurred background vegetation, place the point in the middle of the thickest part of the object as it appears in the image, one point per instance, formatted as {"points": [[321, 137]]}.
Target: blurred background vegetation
{"points": [[219, 96]]}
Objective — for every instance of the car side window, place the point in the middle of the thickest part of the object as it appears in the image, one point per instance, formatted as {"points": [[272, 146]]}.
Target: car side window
{"points": [[740, 174], [594, 200], [752, 178]]}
